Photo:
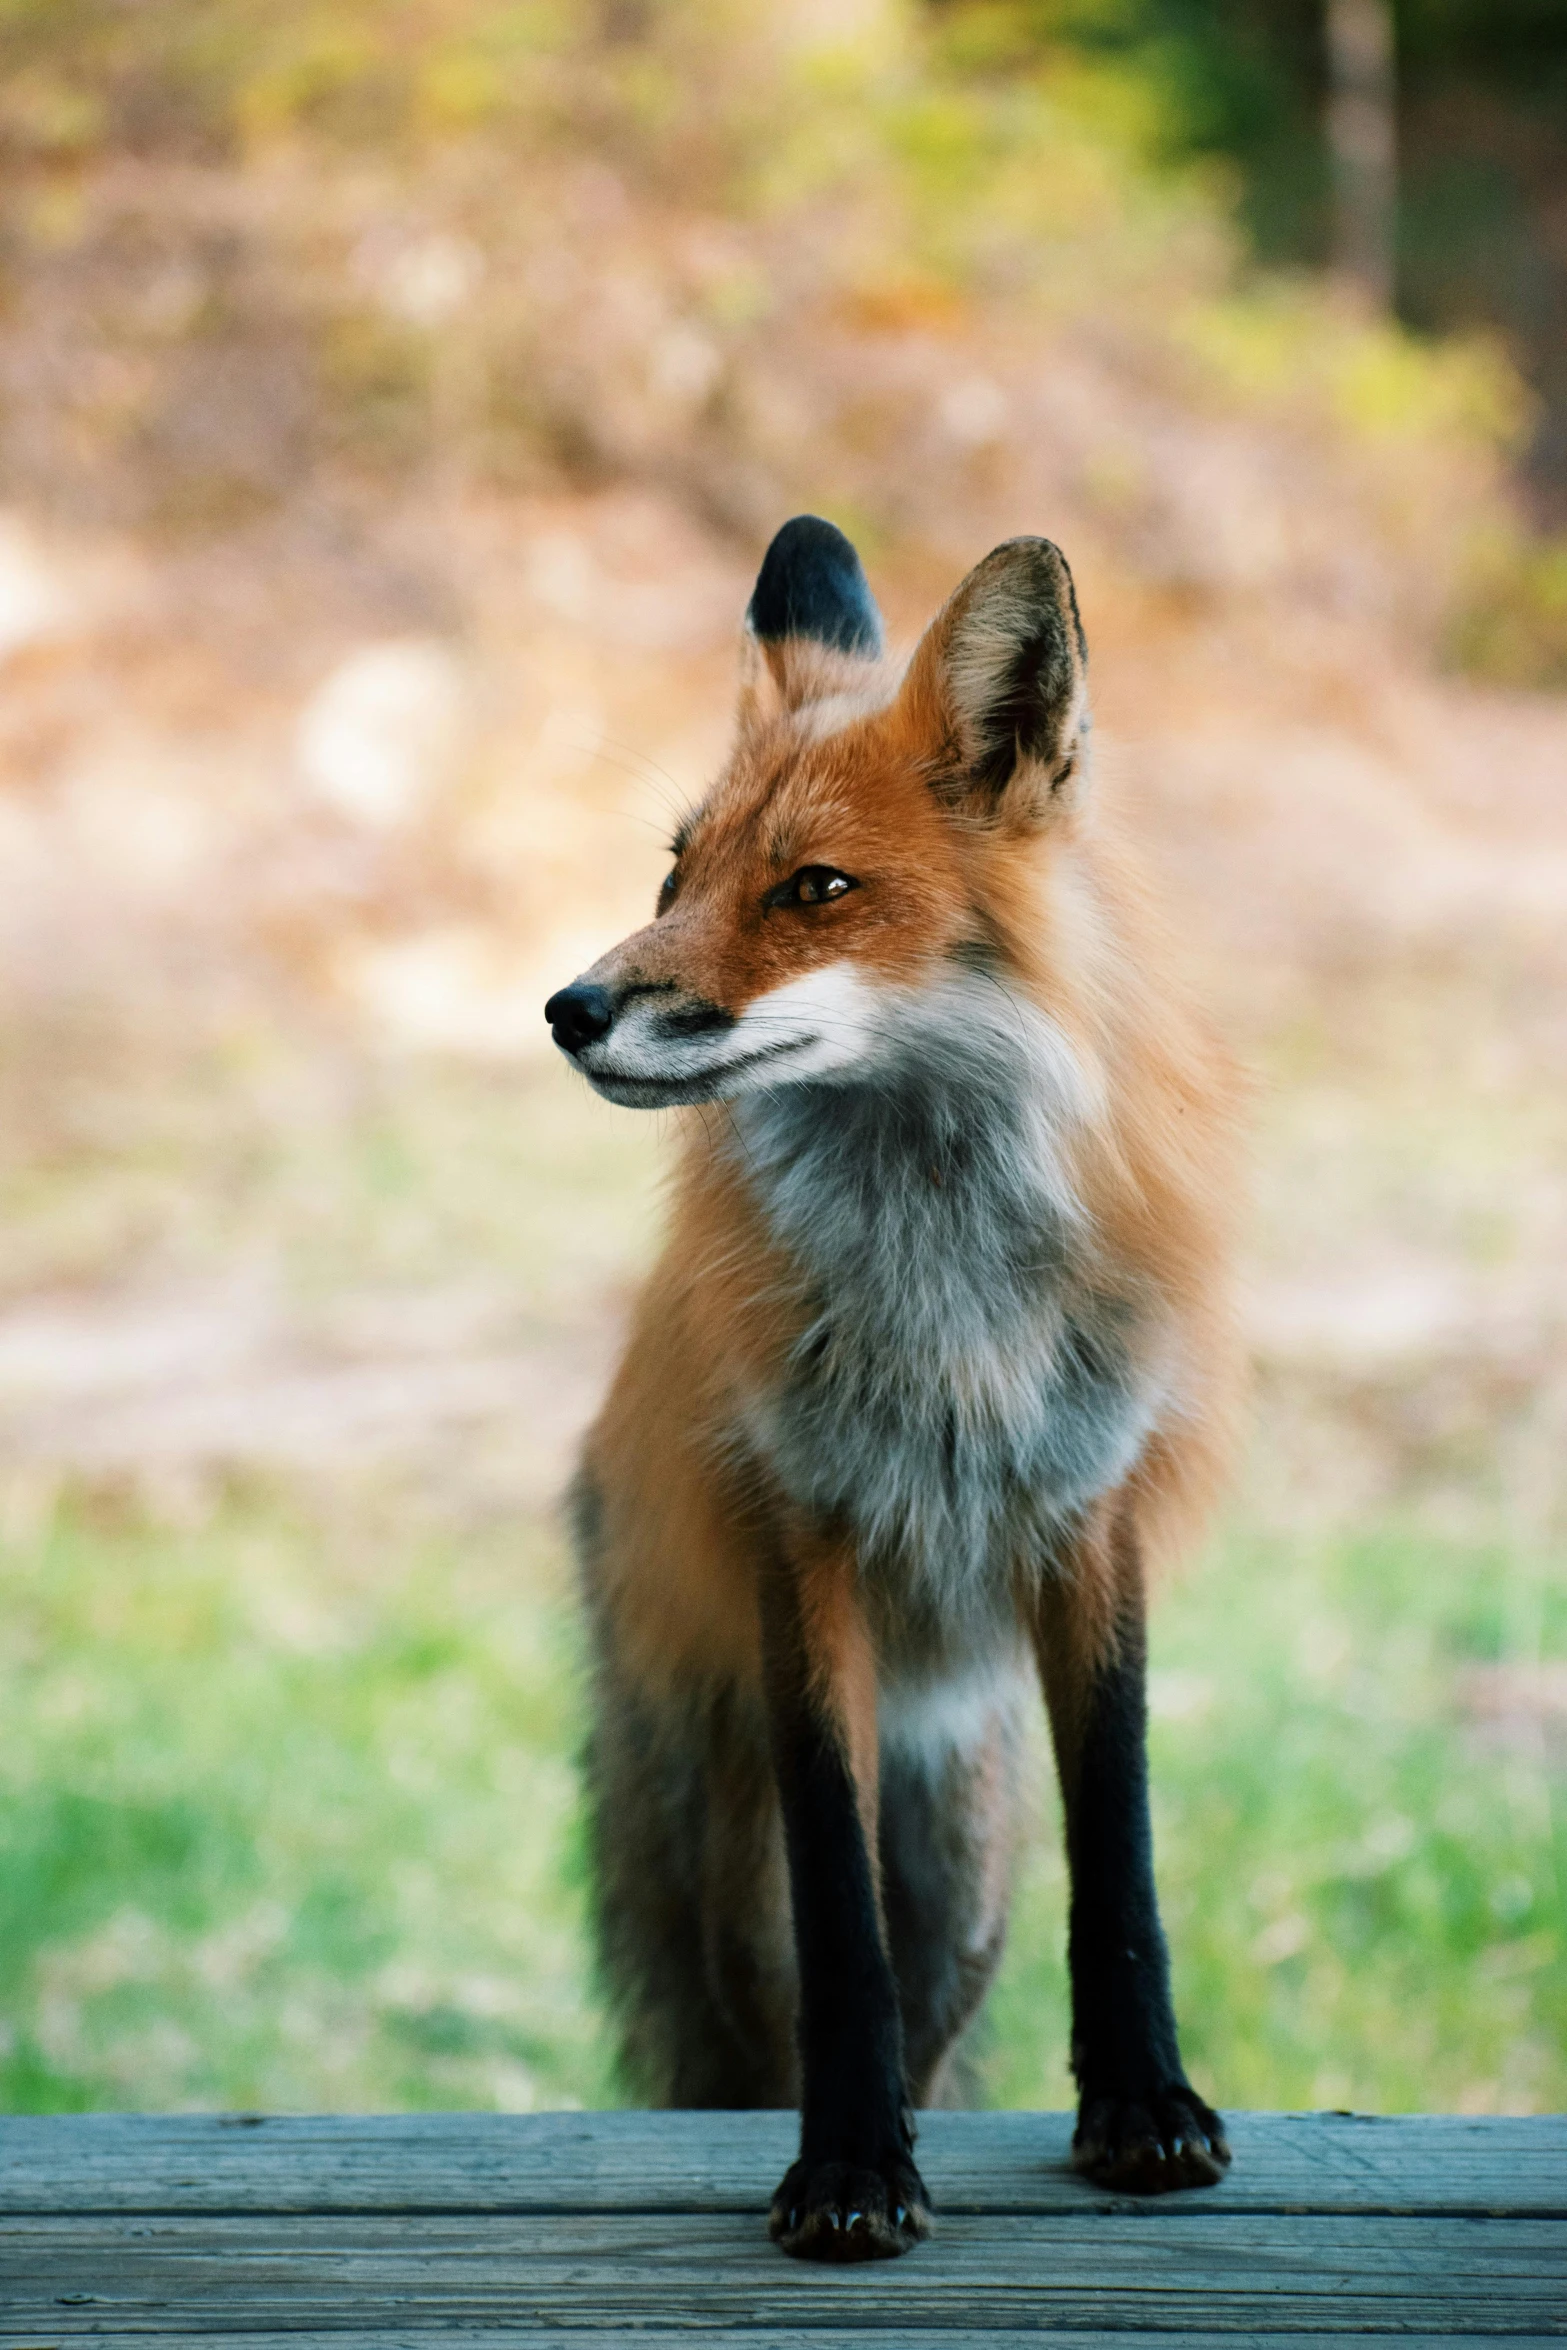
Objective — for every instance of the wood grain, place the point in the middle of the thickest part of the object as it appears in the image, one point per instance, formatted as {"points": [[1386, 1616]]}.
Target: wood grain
{"points": [[562, 2231], [1221, 2275], [508, 2337], [717, 2162]]}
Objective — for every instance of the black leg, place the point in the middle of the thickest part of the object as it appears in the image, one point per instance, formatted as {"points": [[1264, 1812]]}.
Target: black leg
{"points": [[1141, 2125], [854, 2193]]}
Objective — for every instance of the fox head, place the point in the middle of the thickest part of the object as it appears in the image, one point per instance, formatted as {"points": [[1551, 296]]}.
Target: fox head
{"points": [[856, 850]]}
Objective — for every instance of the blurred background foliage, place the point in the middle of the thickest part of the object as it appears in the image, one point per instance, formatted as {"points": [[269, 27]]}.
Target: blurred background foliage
{"points": [[1482, 128], [394, 403], [1042, 151]]}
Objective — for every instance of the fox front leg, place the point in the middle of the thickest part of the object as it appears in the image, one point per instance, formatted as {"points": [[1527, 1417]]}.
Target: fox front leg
{"points": [[854, 2192], [1141, 2126]]}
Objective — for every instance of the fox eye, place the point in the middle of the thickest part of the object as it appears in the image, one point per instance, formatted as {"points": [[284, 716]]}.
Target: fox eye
{"points": [[667, 888], [813, 885]]}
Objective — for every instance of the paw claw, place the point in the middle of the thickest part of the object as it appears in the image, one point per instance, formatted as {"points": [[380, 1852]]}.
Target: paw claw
{"points": [[840, 2211], [1149, 2146]]}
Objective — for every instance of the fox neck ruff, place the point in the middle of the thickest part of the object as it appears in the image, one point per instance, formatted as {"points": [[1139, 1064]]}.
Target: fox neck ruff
{"points": [[970, 1375]]}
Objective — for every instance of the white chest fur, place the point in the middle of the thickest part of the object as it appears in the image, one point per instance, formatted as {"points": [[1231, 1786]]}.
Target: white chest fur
{"points": [[965, 1381]]}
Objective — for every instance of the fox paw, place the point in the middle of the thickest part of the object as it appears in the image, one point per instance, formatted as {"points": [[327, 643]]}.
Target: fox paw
{"points": [[1146, 2146], [841, 2211]]}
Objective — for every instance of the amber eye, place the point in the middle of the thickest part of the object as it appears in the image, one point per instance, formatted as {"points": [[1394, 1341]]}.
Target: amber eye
{"points": [[813, 885]]}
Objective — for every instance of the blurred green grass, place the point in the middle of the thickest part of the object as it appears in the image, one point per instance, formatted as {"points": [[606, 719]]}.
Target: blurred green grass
{"points": [[1364, 1904], [289, 1820]]}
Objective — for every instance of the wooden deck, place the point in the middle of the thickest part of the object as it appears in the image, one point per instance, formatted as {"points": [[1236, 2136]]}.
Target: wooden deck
{"points": [[567, 2229]]}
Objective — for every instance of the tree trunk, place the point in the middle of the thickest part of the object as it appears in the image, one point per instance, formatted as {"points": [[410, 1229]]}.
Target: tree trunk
{"points": [[1362, 135]]}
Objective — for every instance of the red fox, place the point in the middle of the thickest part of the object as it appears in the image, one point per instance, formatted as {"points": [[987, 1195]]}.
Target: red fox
{"points": [[937, 1358]]}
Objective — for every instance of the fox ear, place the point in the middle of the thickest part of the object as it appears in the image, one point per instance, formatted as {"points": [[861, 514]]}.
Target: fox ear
{"points": [[811, 618], [997, 691]]}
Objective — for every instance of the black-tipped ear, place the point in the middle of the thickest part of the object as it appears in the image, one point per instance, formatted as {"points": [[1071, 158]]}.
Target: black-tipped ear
{"points": [[999, 684], [811, 585]]}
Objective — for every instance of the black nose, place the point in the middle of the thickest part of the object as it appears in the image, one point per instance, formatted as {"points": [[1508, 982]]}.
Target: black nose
{"points": [[579, 1014]]}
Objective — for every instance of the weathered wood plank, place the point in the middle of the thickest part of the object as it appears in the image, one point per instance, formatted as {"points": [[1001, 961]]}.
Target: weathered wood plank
{"points": [[1223, 2274], [998, 2162], [511, 2337]]}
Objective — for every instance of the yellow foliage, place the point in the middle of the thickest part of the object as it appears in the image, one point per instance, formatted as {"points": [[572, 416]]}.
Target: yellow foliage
{"points": [[1511, 626], [1289, 343]]}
